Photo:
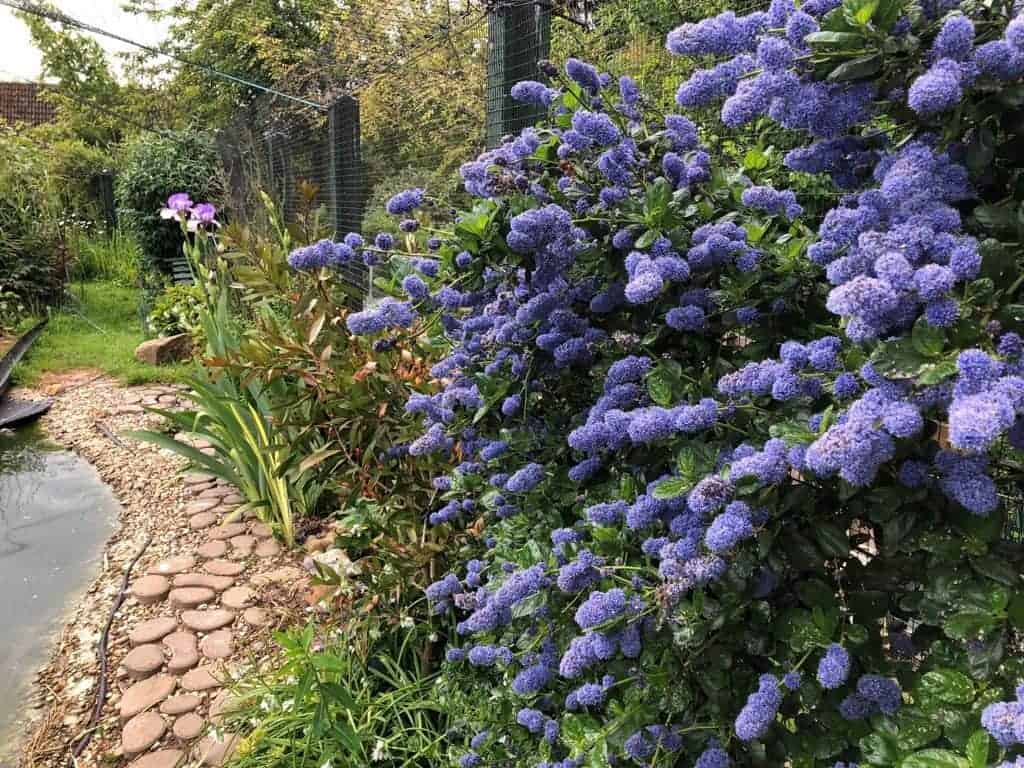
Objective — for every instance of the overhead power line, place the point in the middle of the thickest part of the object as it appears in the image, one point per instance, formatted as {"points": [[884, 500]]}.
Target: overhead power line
{"points": [[62, 18]]}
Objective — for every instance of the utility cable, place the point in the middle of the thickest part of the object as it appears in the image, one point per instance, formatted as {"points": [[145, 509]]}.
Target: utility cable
{"points": [[62, 18]]}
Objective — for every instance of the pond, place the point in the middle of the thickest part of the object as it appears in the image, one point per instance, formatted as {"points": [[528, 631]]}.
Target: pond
{"points": [[55, 515]]}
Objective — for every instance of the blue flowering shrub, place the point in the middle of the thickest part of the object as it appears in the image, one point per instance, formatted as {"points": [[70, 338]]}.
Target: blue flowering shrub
{"points": [[732, 478]]}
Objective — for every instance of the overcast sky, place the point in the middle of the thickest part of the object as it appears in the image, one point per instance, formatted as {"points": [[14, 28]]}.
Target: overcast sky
{"points": [[19, 60]]}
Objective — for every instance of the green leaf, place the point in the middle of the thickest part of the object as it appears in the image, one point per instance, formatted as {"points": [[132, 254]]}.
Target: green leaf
{"points": [[647, 238], [672, 488], [898, 359], [927, 339], [754, 160], [933, 374], [1015, 611], [834, 39], [935, 758], [946, 685], [860, 68], [967, 624], [997, 219], [996, 569], [977, 749], [832, 539], [860, 11], [659, 386]]}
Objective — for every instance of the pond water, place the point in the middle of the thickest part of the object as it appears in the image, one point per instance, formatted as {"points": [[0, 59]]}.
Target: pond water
{"points": [[55, 515]]}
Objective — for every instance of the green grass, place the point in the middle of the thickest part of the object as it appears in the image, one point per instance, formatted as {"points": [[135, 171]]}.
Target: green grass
{"points": [[97, 328]]}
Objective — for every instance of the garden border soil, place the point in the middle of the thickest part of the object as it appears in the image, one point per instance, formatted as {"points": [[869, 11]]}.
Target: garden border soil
{"points": [[89, 415]]}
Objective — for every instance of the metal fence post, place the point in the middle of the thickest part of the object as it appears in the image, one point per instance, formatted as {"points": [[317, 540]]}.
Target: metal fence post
{"points": [[346, 179], [518, 37]]}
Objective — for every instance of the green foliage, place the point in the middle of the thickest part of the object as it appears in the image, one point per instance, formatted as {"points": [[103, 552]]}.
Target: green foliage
{"points": [[325, 705], [111, 257], [179, 310], [155, 167], [97, 328]]}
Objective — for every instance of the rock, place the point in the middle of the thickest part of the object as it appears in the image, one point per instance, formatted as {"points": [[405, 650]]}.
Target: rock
{"points": [[188, 727], [237, 598], [184, 654], [268, 548], [146, 694], [214, 491], [223, 567], [217, 645], [162, 758], [152, 630], [200, 679], [261, 531], [221, 706], [167, 349], [212, 549], [215, 752], [256, 617], [335, 560], [201, 520], [180, 704], [317, 544], [244, 541], [142, 732], [190, 597], [207, 621], [282, 575], [143, 660], [227, 531], [234, 498], [150, 589], [216, 583], [200, 505], [173, 565], [197, 478]]}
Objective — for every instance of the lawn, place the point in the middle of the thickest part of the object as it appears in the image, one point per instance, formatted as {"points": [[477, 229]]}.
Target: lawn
{"points": [[97, 328]]}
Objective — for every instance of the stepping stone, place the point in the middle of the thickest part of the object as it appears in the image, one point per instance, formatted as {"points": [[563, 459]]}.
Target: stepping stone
{"points": [[152, 630], [146, 694], [173, 565], [223, 567], [199, 679], [216, 583], [190, 597], [217, 645], [202, 520], [283, 575], [243, 542], [207, 621], [150, 589], [212, 549], [143, 660], [234, 498], [162, 758], [197, 478], [180, 704], [188, 727], [262, 531], [221, 706], [215, 752], [237, 598], [200, 505], [227, 531], [214, 491], [142, 732], [268, 548], [256, 617], [184, 654]]}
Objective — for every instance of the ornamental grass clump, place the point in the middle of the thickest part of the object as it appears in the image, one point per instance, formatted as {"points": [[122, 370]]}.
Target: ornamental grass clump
{"points": [[733, 483]]}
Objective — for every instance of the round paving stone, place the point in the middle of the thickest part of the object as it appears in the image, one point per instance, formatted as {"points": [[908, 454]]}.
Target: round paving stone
{"points": [[143, 660], [142, 732], [180, 704], [162, 758], [217, 645], [200, 505], [234, 498], [256, 617], [216, 583], [188, 727], [244, 541], [196, 478], [199, 679], [207, 621], [190, 597], [184, 652], [214, 492], [202, 520], [223, 567], [261, 531], [146, 694], [152, 630], [212, 549], [150, 589], [227, 531], [173, 565], [268, 548], [237, 598], [215, 752]]}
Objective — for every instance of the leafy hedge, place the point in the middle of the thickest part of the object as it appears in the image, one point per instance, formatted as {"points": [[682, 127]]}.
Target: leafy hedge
{"points": [[734, 478]]}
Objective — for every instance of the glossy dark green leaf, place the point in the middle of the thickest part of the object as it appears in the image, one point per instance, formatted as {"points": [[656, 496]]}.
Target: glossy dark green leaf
{"points": [[927, 340], [935, 758], [946, 685], [856, 69], [978, 748]]}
